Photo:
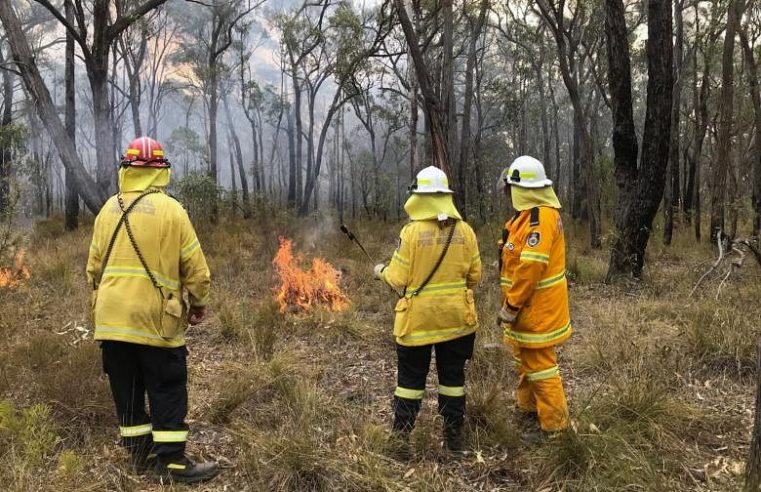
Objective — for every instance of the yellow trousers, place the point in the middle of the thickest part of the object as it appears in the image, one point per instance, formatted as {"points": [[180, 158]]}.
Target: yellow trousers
{"points": [[540, 389]]}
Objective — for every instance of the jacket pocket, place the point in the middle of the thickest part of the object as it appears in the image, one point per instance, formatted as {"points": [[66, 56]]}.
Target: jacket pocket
{"points": [[402, 319], [471, 316], [173, 316]]}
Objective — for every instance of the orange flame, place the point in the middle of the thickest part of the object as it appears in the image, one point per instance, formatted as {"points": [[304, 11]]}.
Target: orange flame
{"points": [[302, 289], [12, 277]]}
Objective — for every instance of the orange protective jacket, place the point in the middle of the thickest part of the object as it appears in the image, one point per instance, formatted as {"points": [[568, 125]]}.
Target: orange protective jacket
{"points": [[533, 278]]}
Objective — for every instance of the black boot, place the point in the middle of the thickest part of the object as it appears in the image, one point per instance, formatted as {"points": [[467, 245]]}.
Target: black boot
{"points": [[453, 439], [185, 470]]}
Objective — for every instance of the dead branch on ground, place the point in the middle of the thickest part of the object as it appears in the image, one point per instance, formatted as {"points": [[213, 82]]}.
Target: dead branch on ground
{"points": [[731, 257]]}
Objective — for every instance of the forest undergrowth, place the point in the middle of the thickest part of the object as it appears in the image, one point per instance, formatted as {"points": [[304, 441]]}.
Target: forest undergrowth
{"points": [[661, 385]]}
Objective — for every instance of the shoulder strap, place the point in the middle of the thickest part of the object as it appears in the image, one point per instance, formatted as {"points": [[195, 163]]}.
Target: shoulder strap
{"points": [[122, 220], [439, 262], [534, 217]]}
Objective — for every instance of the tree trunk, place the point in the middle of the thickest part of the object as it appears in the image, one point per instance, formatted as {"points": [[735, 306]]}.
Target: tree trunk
{"points": [[239, 158], [291, 162], [233, 185], [434, 109], [213, 102], [723, 162], [556, 132], [448, 102], [335, 105], [413, 94], [640, 190], [297, 136], [90, 192], [672, 196], [751, 67], [72, 197], [6, 152], [465, 140]]}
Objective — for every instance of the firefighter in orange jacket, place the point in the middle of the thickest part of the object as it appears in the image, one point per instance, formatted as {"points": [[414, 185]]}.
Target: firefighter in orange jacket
{"points": [[534, 314]]}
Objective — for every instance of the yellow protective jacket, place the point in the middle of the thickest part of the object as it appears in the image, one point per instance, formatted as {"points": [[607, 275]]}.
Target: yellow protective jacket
{"points": [[445, 309], [533, 278], [127, 307]]}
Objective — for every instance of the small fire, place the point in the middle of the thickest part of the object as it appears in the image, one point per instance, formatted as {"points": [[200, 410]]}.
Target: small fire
{"points": [[302, 289], [12, 277]]}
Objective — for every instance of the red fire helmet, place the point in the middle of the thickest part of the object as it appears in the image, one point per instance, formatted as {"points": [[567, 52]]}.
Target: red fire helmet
{"points": [[146, 152]]}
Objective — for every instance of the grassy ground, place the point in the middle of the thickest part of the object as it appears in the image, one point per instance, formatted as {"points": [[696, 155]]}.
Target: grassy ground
{"points": [[660, 384]]}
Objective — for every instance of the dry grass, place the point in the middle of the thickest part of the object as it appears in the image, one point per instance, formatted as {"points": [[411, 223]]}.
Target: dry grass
{"points": [[660, 385]]}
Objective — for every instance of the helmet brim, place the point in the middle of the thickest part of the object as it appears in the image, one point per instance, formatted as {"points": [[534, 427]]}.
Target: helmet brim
{"points": [[541, 184], [433, 192]]}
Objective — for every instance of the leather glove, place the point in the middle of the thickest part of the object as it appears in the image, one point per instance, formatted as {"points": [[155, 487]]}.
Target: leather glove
{"points": [[378, 271], [506, 315], [196, 315]]}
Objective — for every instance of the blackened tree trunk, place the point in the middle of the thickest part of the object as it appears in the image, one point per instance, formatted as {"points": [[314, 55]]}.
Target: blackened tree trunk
{"points": [[751, 67], [71, 207], [22, 54], [672, 196], [640, 190], [723, 164]]}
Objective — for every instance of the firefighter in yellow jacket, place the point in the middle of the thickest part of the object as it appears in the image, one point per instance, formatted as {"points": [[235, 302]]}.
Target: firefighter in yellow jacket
{"points": [[144, 254], [534, 314], [434, 268]]}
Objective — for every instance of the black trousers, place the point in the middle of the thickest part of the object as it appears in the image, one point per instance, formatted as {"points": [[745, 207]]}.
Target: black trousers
{"points": [[134, 370], [412, 370]]}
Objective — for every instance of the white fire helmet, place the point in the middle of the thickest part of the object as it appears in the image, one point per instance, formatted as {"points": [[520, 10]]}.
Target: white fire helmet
{"points": [[525, 172], [430, 180]]}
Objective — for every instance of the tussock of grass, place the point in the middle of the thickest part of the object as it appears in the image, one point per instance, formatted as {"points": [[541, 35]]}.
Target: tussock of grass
{"points": [[625, 438], [722, 338]]}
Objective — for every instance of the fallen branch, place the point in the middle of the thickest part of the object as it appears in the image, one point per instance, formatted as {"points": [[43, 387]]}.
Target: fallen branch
{"points": [[734, 251]]}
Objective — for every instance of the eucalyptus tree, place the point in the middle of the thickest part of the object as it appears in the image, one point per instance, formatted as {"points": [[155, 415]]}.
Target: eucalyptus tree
{"points": [[97, 26], [92, 194], [640, 184], [750, 34], [352, 38], [207, 32], [568, 24], [726, 121]]}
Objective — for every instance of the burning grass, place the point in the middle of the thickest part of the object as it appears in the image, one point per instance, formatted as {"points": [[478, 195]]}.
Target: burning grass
{"points": [[301, 290], [12, 277]]}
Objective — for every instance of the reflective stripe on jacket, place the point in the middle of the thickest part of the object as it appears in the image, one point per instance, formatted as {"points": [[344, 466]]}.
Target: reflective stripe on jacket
{"points": [[445, 309], [533, 279], [127, 306]]}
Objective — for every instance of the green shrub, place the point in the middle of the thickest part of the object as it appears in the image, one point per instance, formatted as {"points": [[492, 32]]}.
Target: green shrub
{"points": [[199, 195], [30, 433]]}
